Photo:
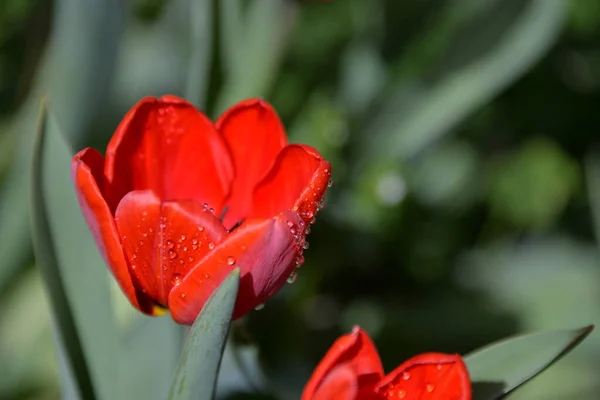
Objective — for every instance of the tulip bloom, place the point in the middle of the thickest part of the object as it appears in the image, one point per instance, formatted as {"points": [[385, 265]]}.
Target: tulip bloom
{"points": [[179, 202], [352, 370]]}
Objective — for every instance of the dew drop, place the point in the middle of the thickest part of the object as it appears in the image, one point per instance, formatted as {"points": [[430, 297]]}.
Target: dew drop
{"points": [[230, 260], [182, 295], [190, 259], [401, 393], [195, 242], [172, 254], [330, 183], [438, 367], [211, 245], [206, 275], [182, 238], [164, 267], [290, 224], [134, 256], [305, 245], [176, 279], [292, 278], [430, 388], [200, 229], [170, 244], [259, 307], [406, 376], [141, 242]]}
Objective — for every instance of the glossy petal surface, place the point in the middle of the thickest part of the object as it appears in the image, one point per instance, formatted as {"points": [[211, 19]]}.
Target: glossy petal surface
{"points": [[254, 136], [428, 376], [355, 350], [264, 250], [163, 241], [169, 147], [87, 170], [297, 181], [340, 384]]}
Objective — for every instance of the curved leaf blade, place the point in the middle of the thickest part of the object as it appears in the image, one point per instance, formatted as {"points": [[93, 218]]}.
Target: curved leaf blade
{"points": [[502, 367], [73, 271], [203, 350]]}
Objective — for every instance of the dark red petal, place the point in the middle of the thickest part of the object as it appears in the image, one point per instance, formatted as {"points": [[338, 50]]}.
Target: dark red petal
{"points": [[168, 146], [264, 250], [355, 349], [428, 376], [86, 172], [163, 241], [254, 135], [297, 181], [340, 384]]}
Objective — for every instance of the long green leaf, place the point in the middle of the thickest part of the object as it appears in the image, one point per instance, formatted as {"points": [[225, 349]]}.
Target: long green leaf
{"points": [[416, 118], [197, 372], [73, 271], [500, 368], [74, 74]]}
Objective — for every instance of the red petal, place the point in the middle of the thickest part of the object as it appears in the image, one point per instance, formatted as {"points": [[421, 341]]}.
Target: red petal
{"points": [[355, 349], [163, 241], [264, 250], [340, 384], [428, 376], [87, 172], [254, 135], [168, 146], [297, 181]]}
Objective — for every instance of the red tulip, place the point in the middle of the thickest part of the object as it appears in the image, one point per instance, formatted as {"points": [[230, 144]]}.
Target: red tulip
{"points": [[179, 202], [352, 370]]}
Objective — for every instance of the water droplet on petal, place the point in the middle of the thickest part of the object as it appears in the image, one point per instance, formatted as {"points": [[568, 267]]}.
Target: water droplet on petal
{"points": [[200, 229], [172, 254], [195, 241], [176, 279], [330, 183], [406, 376], [292, 278], [170, 244], [182, 238], [305, 245], [206, 275], [230, 260], [430, 388], [211, 245], [259, 307]]}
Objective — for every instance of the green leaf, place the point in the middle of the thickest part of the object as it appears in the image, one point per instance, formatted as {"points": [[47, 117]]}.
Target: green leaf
{"points": [[252, 47], [516, 34], [500, 368], [150, 339], [203, 350], [75, 75], [200, 20], [73, 271]]}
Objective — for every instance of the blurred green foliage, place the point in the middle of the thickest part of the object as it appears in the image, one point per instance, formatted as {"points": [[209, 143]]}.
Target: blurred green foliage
{"points": [[463, 138]]}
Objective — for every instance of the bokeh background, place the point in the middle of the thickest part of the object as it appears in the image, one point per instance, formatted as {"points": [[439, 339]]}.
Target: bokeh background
{"points": [[464, 141]]}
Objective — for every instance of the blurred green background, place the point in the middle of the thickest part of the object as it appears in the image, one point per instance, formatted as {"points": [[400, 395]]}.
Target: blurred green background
{"points": [[464, 141]]}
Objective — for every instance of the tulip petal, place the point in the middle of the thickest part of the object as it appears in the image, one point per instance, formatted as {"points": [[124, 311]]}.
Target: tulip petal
{"points": [[163, 240], [297, 181], [355, 349], [254, 135], [170, 147], [428, 376], [87, 169], [265, 251], [340, 384]]}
